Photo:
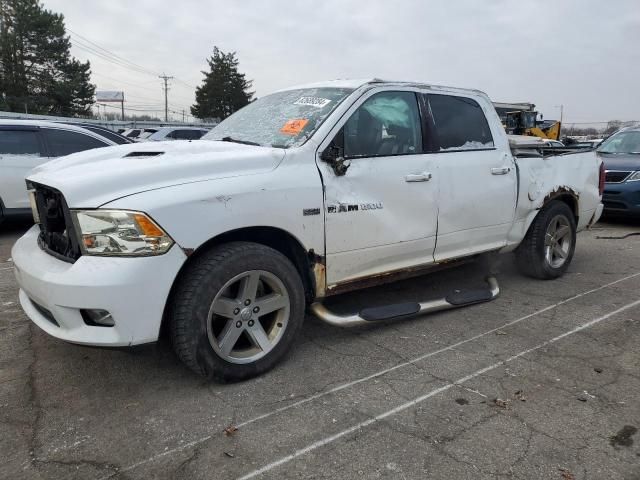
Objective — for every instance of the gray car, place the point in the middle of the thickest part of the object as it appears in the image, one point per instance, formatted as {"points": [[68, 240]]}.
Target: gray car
{"points": [[176, 133]]}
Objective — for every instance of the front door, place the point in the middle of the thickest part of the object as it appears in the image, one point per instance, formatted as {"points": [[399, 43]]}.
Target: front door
{"points": [[381, 214]]}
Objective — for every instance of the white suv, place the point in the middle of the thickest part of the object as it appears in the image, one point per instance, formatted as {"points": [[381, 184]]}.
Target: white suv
{"points": [[25, 144], [176, 133]]}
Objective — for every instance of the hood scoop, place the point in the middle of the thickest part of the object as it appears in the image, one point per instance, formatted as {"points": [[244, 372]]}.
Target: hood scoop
{"points": [[143, 154]]}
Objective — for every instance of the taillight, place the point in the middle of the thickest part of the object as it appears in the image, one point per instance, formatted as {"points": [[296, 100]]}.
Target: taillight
{"points": [[601, 181]]}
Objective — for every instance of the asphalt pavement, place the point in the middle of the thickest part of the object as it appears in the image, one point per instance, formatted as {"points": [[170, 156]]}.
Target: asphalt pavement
{"points": [[542, 383]]}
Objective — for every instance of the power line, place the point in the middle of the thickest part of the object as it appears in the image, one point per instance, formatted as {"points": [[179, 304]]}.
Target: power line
{"points": [[139, 85], [186, 84], [111, 54], [106, 105], [89, 46], [107, 58]]}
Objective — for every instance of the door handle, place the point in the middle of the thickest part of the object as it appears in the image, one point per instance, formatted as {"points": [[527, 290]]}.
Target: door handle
{"points": [[500, 170], [418, 177]]}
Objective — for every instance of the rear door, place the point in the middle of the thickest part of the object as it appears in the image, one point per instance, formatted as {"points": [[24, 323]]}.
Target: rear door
{"points": [[381, 214], [477, 179], [21, 149]]}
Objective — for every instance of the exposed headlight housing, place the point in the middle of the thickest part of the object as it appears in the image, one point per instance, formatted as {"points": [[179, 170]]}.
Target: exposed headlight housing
{"points": [[634, 177], [119, 233]]}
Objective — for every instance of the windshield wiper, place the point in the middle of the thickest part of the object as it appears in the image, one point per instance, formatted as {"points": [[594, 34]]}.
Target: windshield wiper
{"points": [[243, 142]]}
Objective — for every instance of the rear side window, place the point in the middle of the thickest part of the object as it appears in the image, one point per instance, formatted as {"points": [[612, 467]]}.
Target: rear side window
{"points": [[113, 136], [64, 142], [460, 123], [19, 142]]}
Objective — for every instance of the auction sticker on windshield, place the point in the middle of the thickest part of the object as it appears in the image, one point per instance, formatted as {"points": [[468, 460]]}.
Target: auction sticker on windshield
{"points": [[313, 101], [295, 126]]}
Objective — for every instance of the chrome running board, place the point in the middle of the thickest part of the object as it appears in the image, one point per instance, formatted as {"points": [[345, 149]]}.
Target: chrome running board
{"points": [[456, 299]]}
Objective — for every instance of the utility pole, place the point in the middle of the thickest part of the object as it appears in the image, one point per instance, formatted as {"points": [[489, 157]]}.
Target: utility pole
{"points": [[561, 107], [166, 79]]}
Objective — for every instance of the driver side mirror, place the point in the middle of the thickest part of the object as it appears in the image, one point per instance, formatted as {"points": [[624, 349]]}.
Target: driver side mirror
{"points": [[334, 155]]}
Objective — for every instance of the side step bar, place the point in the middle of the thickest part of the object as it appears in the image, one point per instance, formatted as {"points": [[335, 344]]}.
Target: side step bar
{"points": [[456, 299]]}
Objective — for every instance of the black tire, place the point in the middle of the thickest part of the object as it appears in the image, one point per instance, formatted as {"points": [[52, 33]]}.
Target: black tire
{"points": [[193, 301], [531, 255]]}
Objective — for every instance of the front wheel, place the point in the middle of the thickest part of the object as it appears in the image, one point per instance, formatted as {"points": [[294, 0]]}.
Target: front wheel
{"points": [[548, 247], [236, 311]]}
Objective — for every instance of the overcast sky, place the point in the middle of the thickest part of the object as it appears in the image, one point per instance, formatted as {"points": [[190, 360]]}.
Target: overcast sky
{"points": [[584, 54]]}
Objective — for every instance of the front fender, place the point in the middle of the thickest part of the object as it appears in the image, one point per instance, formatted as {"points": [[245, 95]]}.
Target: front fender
{"points": [[194, 213]]}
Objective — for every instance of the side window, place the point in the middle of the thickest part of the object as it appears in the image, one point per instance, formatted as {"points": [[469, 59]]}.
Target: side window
{"points": [[173, 135], [108, 134], [64, 142], [460, 123], [388, 123], [19, 142]]}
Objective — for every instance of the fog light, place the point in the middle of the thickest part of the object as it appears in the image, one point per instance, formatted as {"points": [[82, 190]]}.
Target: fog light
{"points": [[97, 318]]}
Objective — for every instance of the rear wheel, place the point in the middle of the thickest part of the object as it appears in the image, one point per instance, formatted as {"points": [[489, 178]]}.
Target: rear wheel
{"points": [[548, 247], [236, 311]]}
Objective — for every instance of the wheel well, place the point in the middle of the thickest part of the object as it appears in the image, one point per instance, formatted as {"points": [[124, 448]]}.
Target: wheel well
{"points": [[275, 238], [567, 198]]}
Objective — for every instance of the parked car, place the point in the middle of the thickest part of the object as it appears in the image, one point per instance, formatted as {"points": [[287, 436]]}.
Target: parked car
{"points": [[131, 132], [137, 134], [300, 195], [553, 143], [621, 155], [145, 134], [103, 132], [177, 133], [25, 144], [587, 144]]}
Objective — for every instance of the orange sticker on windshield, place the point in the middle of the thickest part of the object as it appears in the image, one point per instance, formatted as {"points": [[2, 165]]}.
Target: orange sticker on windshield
{"points": [[294, 127]]}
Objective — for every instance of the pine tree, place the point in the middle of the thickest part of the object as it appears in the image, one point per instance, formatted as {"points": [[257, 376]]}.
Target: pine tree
{"points": [[224, 89], [37, 72]]}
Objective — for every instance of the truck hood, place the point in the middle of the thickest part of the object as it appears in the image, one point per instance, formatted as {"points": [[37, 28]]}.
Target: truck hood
{"points": [[620, 161], [92, 178]]}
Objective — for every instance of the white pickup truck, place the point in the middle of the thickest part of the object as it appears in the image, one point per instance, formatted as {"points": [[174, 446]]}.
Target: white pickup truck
{"points": [[305, 193]]}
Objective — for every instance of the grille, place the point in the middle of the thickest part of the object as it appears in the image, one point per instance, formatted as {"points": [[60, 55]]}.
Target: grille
{"points": [[613, 205], [57, 235], [616, 176]]}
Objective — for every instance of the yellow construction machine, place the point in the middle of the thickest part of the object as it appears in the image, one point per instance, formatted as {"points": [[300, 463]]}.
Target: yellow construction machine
{"points": [[522, 119]]}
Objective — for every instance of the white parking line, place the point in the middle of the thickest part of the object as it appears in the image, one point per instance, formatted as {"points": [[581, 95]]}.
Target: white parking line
{"points": [[369, 377], [430, 354], [428, 395]]}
